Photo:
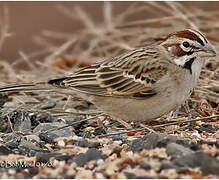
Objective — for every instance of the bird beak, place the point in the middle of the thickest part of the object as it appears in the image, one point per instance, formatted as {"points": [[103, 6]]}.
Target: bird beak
{"points": [[209, 51]]}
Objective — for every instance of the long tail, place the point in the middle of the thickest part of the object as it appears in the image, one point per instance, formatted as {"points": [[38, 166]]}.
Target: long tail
{"points": [[54, 85], [27, 87]]}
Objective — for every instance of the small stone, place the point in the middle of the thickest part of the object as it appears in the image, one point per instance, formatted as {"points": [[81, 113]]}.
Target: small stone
{"points": [[13, 140], [51, 135], [63, 157], [143, 177], [27, 146], [32, 137], [208, 164], [12, 145], [145, 166], [130, 175], [48, 105], [44, 157], [33, 171], [46, 137], [176, 150], [79, 159], [82, 158], [27, 176], [207, 128], [45, 118], [117, 150], [153, 140], [99, 131], [3, 98], [93, 154], [167, 165], [4, 150], [94, 144], [21, 120], [82, 143]]}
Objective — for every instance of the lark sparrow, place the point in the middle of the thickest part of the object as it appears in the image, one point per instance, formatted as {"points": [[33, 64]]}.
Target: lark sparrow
{"points": [[142, 84]]}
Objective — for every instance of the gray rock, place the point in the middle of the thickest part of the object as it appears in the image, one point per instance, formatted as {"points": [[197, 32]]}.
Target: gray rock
{"points": [[94, 144], [4, 150], [12, 140], [3, 98], [45, 157], [170, 165], [82, 158], [48, 105], [43, 127], [32, 137], [207, 163], [82, 143], [21, 120], [207, 128], [45, 118], [145, 165], [27, 146], [153, 140], [175, 150]]}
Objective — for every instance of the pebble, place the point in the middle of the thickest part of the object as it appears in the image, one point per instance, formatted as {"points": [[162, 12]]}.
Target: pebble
{"points": [[48, 105], [82, 143], [145, 166], [21, 120], [4, 150], [50, 136], [207, 128], [33, 171], [46, 137], [94, 144], [3, 98], [45, 118], [32, 137], [44, 157], [153, 140], [207, 163], [27, 146], [82, 158], [170, 165], [99, 131], [175, 150], [63, 157]]}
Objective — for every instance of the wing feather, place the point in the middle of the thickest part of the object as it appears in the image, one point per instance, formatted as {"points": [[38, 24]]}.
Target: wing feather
{"points": [[133, 74]]}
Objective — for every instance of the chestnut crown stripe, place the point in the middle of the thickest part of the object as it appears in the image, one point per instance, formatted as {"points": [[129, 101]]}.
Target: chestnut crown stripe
{"points": [[191, 35]]}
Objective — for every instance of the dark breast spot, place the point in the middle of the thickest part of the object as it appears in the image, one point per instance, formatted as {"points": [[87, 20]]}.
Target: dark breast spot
{"points": [[188, 65]]}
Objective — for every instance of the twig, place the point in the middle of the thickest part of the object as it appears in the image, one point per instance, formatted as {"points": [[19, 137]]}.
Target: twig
{"points": [[183, 15], [10, 124], [107, 12], [61, 49], [4, 25], [83, 120], [27, 60], [158, 126]]}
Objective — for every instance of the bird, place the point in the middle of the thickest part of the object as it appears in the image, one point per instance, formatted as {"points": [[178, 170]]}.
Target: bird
{"points": [[142, 84]]}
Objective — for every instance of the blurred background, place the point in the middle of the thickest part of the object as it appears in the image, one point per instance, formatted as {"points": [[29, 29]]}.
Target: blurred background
{"points": [[28, 19]]}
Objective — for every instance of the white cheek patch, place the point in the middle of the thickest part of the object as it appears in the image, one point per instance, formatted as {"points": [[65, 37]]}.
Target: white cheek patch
{"points": [[180, 61]]}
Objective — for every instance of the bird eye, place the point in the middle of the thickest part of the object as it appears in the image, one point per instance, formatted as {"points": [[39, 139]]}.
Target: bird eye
{"points": [[186, 44]]}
